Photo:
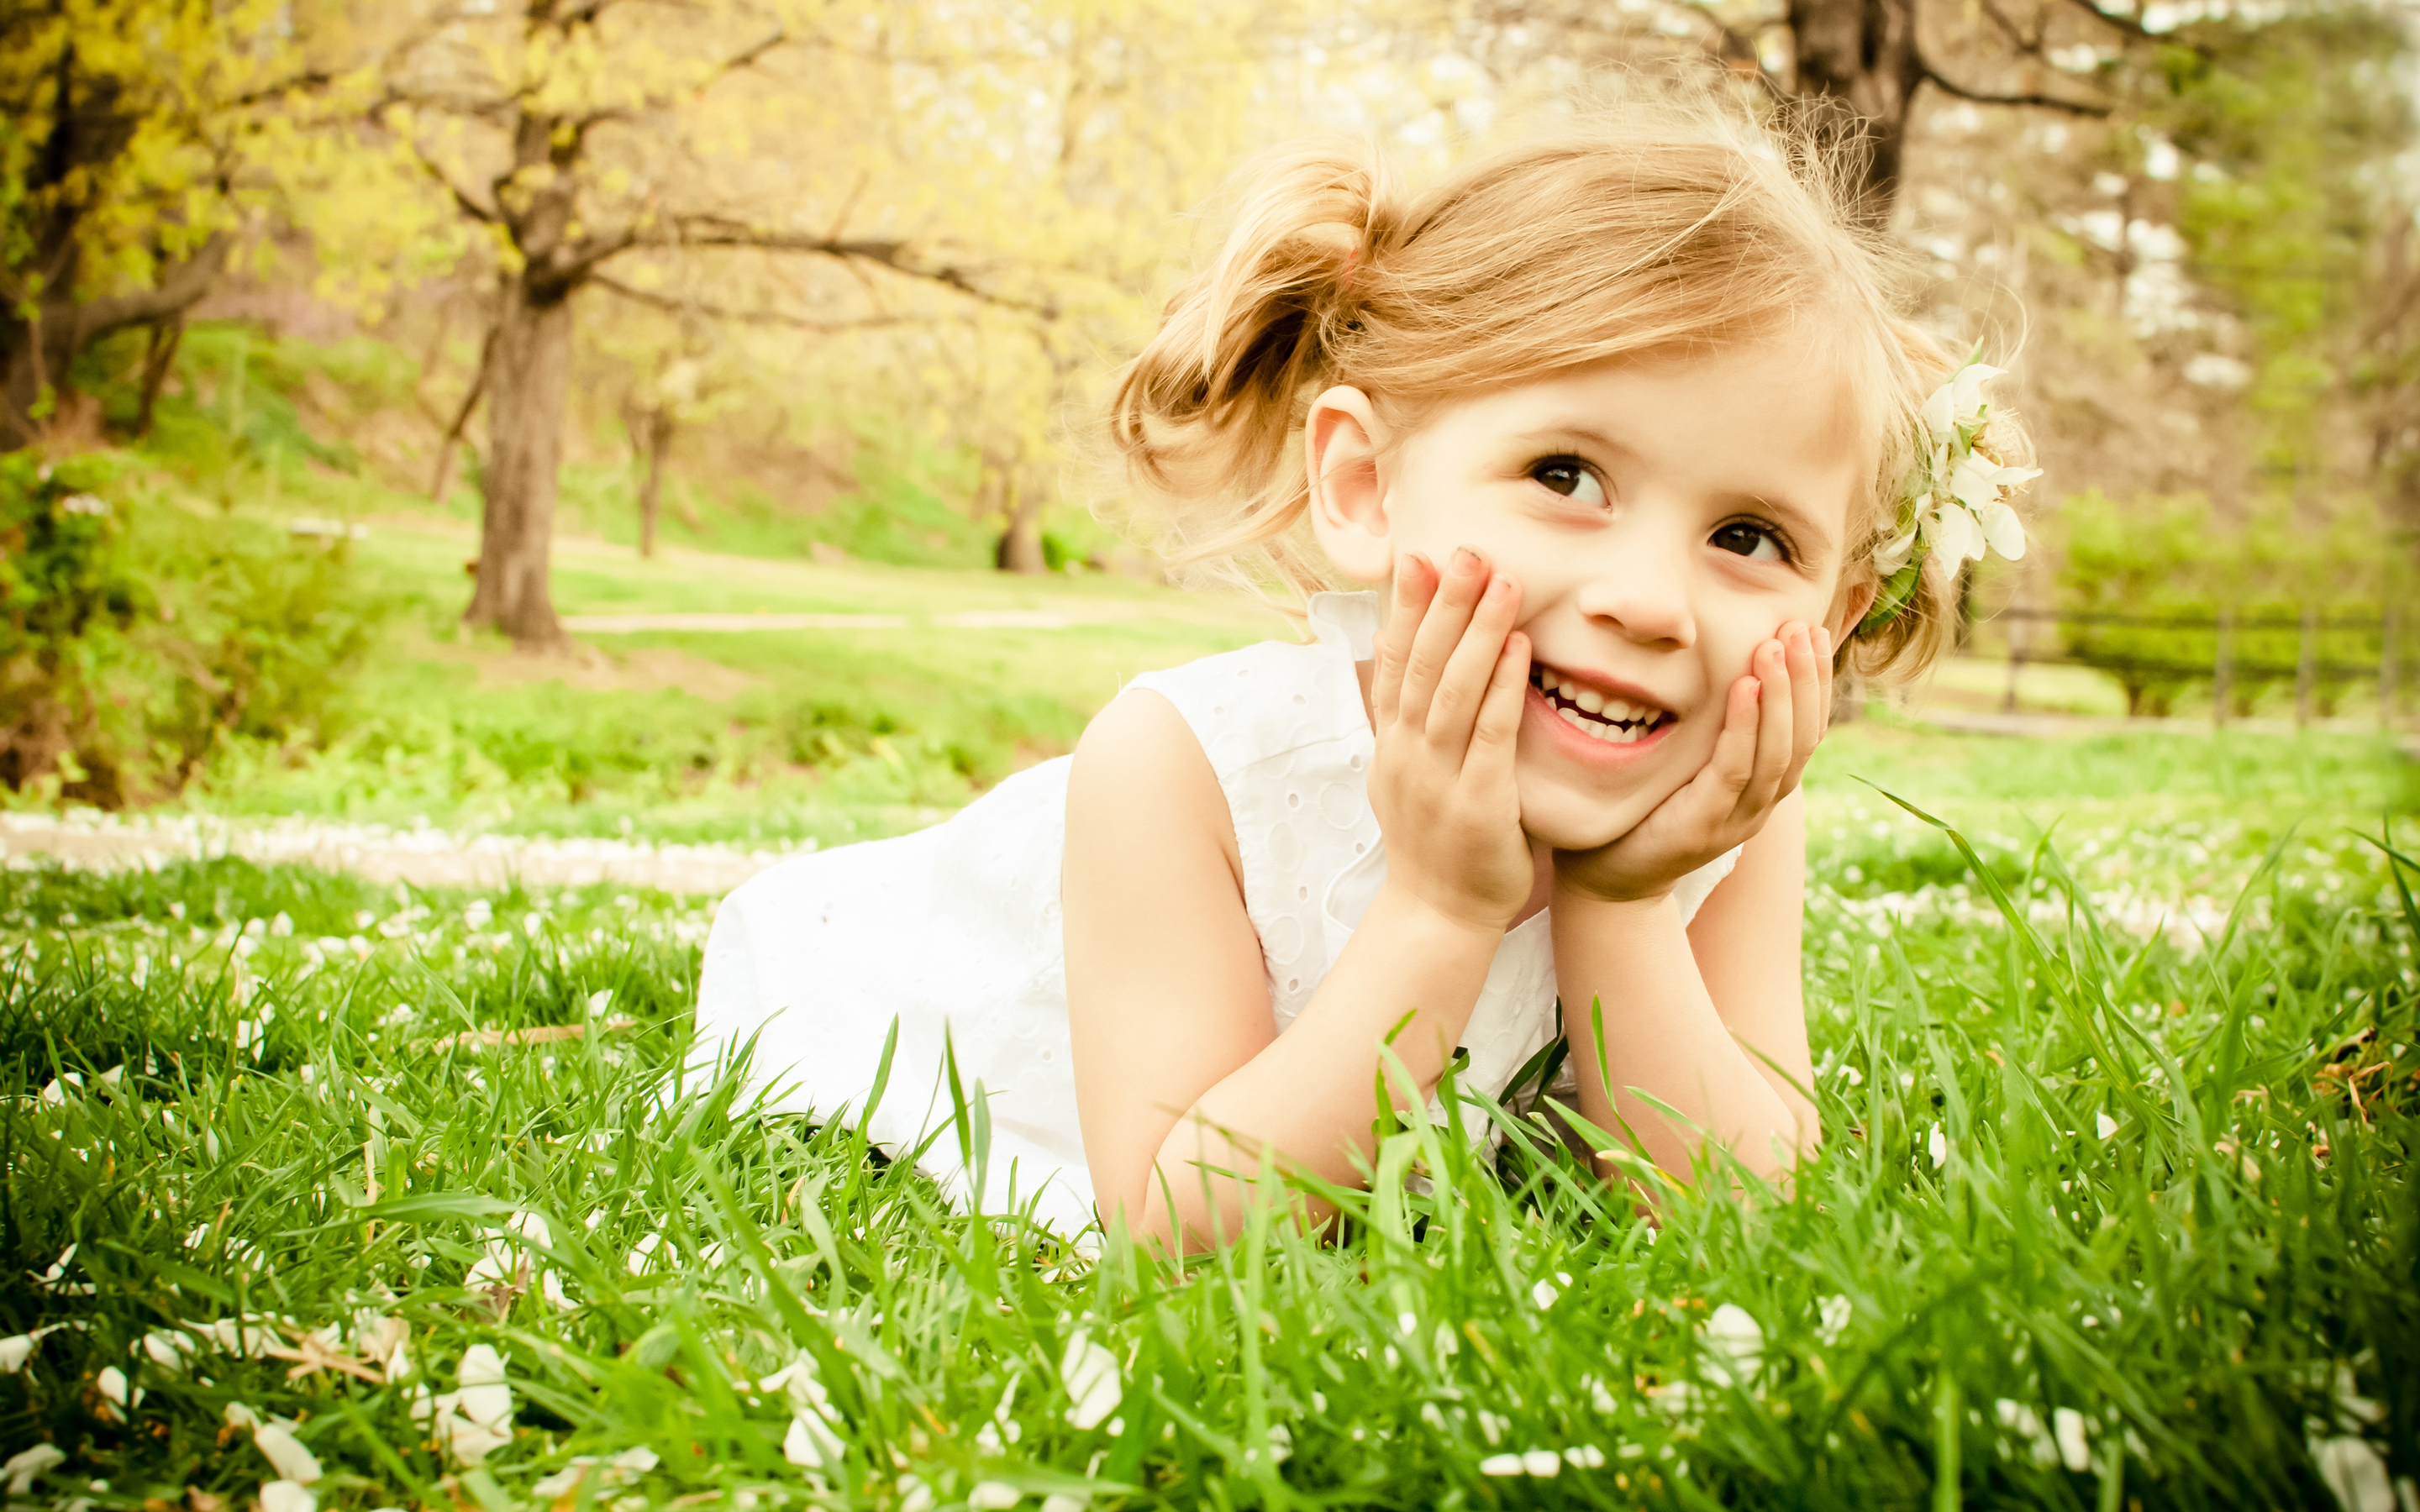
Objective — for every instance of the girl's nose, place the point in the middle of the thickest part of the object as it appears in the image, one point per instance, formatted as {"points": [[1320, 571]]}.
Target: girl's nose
{"points": [[1642, 593]]}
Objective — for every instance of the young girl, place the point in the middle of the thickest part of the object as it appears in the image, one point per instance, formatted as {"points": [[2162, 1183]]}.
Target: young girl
{"points": [[1622, 427]]}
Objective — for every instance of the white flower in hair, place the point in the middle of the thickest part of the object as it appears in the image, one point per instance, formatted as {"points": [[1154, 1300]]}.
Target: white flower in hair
{"points": [[1956, 498]]}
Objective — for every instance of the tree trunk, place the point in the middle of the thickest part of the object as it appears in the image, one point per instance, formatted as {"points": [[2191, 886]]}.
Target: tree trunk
{"points": [[656, 435], [529, 390], [1859, 58], [1020, 543], [158, 359]]}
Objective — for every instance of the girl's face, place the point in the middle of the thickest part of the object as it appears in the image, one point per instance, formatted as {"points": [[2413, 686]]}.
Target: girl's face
{"points": [[1664, 518]]}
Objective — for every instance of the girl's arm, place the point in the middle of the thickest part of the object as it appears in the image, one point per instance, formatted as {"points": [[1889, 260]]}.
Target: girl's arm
{"points": [[1689, 1014], [1693, 1015], [1180, 1073]]}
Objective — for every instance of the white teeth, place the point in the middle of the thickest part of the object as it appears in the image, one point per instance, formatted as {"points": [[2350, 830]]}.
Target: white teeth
{"points": [[1617, 721]]}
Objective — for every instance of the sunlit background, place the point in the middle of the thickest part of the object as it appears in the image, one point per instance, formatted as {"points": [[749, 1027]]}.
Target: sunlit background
{"points": [[393, 336]]}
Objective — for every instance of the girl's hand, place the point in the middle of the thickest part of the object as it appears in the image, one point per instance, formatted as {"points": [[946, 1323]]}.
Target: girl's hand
{"points": [[1775, 717], [1446, 694]]}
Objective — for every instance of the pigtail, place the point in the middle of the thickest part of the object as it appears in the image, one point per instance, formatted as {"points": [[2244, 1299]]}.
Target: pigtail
{"points": [[1203, 418]]}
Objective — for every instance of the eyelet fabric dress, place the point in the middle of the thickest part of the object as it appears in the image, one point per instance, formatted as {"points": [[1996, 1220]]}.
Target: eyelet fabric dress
{"points": [[954, 932]]}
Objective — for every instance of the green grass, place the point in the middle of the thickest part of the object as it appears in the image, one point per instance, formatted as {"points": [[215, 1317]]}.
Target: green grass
{"points": [[829, 734], [2218, 1284]]}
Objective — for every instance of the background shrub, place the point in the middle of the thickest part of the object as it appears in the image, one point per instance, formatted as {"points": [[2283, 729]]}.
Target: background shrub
{"points": [[136, 636]]}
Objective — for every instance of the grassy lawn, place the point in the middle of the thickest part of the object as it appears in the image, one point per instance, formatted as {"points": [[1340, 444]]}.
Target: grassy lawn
{"points": [[782, 735], [2116, 1207]]}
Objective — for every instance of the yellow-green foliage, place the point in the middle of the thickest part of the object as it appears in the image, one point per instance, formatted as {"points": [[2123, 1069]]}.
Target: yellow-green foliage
{"points": [[135, 636]]}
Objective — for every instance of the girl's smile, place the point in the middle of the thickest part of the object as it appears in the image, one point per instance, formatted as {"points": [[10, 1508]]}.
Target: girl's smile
{"points": [[1601, 719]]}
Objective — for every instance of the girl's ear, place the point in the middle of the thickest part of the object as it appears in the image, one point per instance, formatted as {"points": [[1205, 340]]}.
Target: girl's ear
{"points": [[1849, 610], [1341, 440]]}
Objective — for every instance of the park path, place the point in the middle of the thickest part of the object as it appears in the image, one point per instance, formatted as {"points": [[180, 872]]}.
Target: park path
{"points": [[1005, 619], [423, 857]]}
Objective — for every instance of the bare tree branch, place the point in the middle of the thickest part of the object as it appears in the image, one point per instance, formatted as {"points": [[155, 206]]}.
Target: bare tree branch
{"points": [[463, 199], [1985, 96], [178, 289], [894, 256], [2031, 46], [771, 318]]}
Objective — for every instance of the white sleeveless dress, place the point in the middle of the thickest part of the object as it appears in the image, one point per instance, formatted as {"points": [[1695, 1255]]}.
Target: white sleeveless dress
{"points": [[954, 931]]}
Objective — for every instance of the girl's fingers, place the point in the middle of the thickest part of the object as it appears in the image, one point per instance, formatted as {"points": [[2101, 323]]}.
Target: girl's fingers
{"points": [[1777, 729], [1432, 645], [1823, 656], [1733, 762], [1415, 585], [1805, 709], [1469, 672], [1497, 729]]}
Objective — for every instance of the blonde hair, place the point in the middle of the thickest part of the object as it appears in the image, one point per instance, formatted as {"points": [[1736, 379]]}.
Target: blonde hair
{"points": [[1643, 230]]}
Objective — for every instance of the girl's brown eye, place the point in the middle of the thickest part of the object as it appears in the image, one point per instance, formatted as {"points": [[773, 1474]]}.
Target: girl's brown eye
{"points": [[1753, 542], [1571, 478]]}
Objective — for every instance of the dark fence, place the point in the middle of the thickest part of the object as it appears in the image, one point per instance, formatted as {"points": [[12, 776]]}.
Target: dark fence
{"points": [[2233, 656]]}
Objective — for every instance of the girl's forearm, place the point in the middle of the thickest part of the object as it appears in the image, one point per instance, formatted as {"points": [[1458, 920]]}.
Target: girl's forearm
{"points": [[1663, 1036], [1308, 1095]]}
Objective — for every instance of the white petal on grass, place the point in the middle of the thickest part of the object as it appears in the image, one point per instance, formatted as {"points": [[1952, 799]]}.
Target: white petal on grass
{"points": [[1585, 1456], [27, 1465], [1055, 1501], [642, 1254], [1832, 1319], [1545, 1294], [810, 1441], [1502, 1465], [113, 1389], [2025, 1423], [2068, 1430], [239, 1416], [915, 1495], [1736, 1341], [19, 1349], [1090, 1373], [1542, 1463], [477, 1419], [562, 1483], [2104, 1125], [994, 1496], [293, 1462], [167, 1348], [1937, 1146], [287, 1496], [2355, 1473]]}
